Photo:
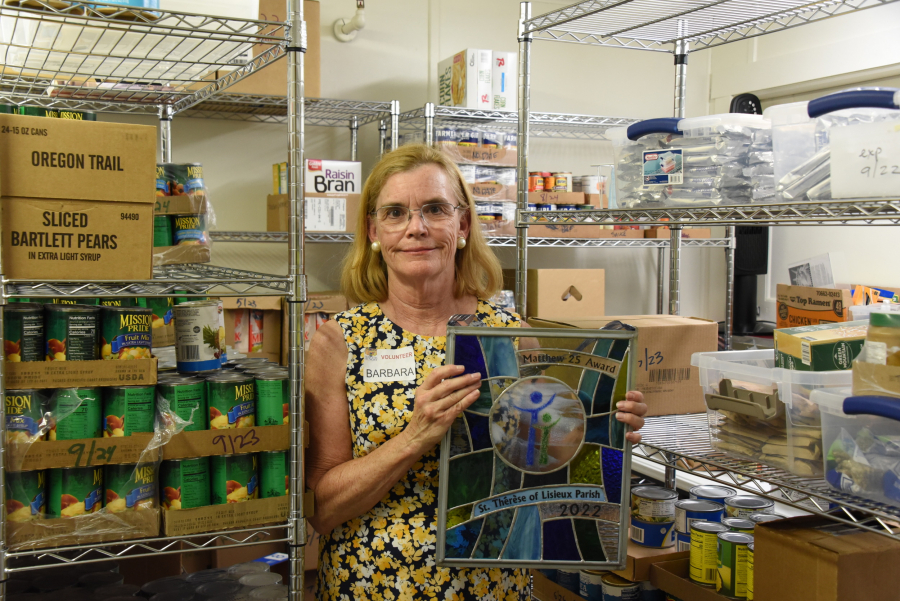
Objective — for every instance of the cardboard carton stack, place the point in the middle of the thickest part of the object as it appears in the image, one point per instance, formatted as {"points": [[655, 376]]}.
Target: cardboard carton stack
{"points": [[332, 190]]}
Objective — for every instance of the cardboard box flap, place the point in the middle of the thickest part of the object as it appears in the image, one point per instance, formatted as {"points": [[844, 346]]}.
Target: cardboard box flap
{"points": [[325, 302], [194, 204], [265, 303]]}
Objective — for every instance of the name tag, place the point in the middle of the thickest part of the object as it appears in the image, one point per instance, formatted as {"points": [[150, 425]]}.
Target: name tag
{"points": [[389, 365]]}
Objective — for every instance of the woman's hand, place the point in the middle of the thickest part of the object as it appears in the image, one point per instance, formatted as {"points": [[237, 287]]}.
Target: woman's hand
{"points": [[443, 395], [631, 412]]}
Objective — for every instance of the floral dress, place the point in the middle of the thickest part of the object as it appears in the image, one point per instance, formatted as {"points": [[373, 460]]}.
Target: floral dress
{"points": [[388, 553]]}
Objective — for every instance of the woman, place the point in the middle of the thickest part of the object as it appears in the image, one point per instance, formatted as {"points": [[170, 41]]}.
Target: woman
{"points": [[418, 258]]}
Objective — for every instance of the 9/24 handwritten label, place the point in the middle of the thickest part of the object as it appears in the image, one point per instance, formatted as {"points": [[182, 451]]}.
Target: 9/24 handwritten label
{"points": [[865, 160]]}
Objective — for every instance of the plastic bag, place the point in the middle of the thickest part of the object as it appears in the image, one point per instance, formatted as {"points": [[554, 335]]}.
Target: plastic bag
{"points": [[183, 215]]}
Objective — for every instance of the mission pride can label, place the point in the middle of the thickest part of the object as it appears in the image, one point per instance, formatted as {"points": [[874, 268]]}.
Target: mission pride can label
{"points": [[76, 413], [128, 409], [126, 333], [234, 478], [72, 332], [232, 401], [273, 474], [23, 332], [185, 483], [74, 491], [26, 496], [24, 415], [130, 487]]}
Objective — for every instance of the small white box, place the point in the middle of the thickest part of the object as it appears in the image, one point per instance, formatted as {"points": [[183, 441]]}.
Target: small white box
{"points": [[464, 80], [336, 178], [504, 71]]}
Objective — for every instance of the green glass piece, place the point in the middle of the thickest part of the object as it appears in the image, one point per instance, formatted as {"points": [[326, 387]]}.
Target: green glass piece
{"points": [[589, 540], [472, 477], [485, 400], [506, 478], [585, 468], [493, 534], [459, 437], [458, 515]]}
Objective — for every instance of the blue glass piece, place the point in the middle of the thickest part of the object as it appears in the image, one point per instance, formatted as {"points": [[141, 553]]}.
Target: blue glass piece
{"points": [[604, 394], [601, 348], [551, 479], [461, 540], [619, 348], [611, 460], [616, 433], [493, 535], [478, 428], [559, 541], [468, 353], [506, 478], [501, 357], [597, 429], [525, 538], [459, 438]]}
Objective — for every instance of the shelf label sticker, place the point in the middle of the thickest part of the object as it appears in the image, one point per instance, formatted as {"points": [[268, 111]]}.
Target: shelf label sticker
{"points": [[865, 160], [662, 167], [326, 214]]}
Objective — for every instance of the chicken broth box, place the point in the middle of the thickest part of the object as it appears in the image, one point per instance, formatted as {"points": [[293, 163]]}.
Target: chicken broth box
{"points": [[802, 306]]}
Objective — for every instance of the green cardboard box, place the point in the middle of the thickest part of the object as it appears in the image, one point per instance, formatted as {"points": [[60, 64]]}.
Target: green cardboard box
{"points": [[823, 347]]}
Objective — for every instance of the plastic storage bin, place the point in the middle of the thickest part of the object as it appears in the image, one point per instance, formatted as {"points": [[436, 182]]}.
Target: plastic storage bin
{"points": [[862, 312], [629, 145], [861, 437], [801, 137]]}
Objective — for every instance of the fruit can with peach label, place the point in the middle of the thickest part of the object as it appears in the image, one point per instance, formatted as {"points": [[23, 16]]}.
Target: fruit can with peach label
{"points": [[128, 409], [72, 332], [232, 401], [76, 413], [185, 483], [273, 397], [24, 415], [273, 474], [23, 332], [126, 333], [74, 491], [234, 478], [129, 487], [26, 496]]}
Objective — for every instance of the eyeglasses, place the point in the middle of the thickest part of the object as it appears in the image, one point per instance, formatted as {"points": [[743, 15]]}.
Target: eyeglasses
{"points": [[396, 217]]}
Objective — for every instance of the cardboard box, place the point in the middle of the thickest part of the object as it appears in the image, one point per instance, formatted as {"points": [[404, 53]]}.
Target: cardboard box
{"points": [[556, 198], [317, 303], [867, 295], [194, 204], [480, 155], [493, 191], [205, 443], [825, 347], [640, 560], [280, 178], [272, 79], [688, 233], [73, 374], [672, 577], [332, 178], [179, 255], [586, 231], [815, 559], [802, 306], [873, 379], [464, 80], [598, 201], [82, 530], [84, 452], [75, 239], [665, 343], [504, 81], [562, 293], [181, 522], [271, 306], [323, 213], [77, 160], [544, 589]]}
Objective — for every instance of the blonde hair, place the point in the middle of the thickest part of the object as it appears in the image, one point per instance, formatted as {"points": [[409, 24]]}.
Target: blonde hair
{"points": [[363, 273]]}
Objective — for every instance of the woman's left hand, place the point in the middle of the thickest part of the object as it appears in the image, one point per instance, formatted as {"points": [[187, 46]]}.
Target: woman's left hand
{"points": [[631, 412]]}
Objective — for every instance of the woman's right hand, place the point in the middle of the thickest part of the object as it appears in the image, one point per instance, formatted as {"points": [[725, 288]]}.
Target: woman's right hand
{"points": [[443, 395]]}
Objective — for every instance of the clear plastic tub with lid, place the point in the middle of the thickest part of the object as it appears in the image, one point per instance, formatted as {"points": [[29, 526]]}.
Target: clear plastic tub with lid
{"points": [[631, 145]]}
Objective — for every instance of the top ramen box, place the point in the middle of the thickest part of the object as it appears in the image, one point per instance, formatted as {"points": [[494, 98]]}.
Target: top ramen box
{"points": [[465, 79], [802, 306]]}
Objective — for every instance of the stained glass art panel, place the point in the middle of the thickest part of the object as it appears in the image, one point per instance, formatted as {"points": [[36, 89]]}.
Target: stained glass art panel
{"points": [[533, 474]]}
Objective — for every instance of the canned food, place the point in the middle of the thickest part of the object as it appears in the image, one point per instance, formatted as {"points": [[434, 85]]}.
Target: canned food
{"points": [[445, 135], [161, 313], [491, 139], [739, 525], [73, 300], [682, 541], [469, 138], [185, 483], [712, 493], [510, 139], [232, 401], [741, 506], [96, 580], [485, 175], [219, 589], [74, 491], [468, 172], [274, 592], [24, 415], [562, 181], [126, 333], [129, 487], [261, 579], [704, 562], [162, 231], [591, 585], [26, 496], [119, 302], [273, 474], [72, 332], [506, 176], [234, 478], [653, 516], [549, 183], [23, 332], [750, 572], [166, 585], [616, 588], [535, 181], [731, 576], [273, 398], [179, 179], [239, 570], [76, 413], [545, 207], [199, 339], [690, 510], [189, 229], [128, 409], [186, 397], [759, 518], [650, 592], [569, 580], [576, 183]]}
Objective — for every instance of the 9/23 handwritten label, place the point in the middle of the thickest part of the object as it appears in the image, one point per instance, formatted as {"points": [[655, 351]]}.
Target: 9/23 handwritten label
{"points": [[865, 160]]}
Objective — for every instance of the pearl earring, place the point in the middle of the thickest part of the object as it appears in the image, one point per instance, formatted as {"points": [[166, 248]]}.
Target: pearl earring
{"points": [[460, 243], [376, 247]]}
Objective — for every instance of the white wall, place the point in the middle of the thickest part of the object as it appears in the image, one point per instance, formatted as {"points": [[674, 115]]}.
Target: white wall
{"points": [[395, 57]]}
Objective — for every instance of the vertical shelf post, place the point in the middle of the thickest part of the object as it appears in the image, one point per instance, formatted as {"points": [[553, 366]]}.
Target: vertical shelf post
{"points": [[164, 148], [382, 137], [354, 133], [395, 124], [429, 123], [524, 131], [729, 286], [297, 298], [660, 280]]}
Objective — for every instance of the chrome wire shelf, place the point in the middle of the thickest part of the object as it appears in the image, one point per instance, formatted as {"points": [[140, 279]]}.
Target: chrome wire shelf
{"points": [[682, 442], [883, 211], [77, 54], [145, 547], [543, 125], [188, 280], [506, 241], [657, 25], [326, 112]]}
